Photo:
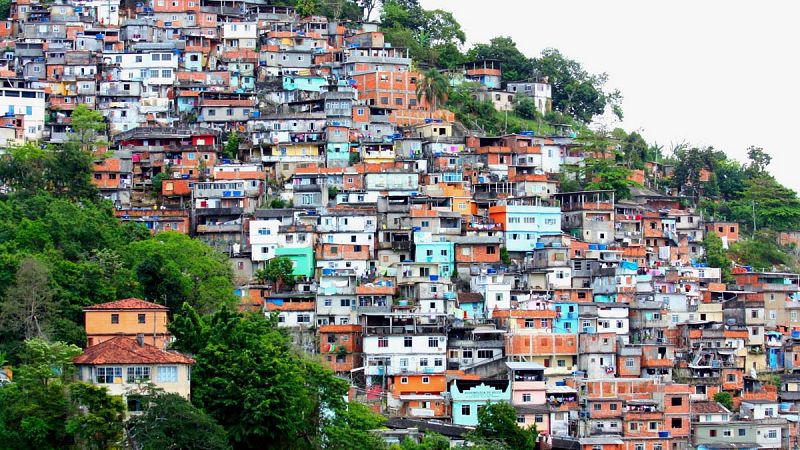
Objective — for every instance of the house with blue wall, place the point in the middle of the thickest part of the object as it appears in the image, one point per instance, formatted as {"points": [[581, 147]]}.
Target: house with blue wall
{"points": [[566, 320], [440, 252], [469, 395], [524, 224]]}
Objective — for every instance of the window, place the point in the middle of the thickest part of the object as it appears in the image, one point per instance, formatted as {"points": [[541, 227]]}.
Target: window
{"points": [[772, 434], [433, 342], [383, 342], [677, 422], [731, 378], [403, 380], [138, 58], [303, 318], [633, 426], [769, 412], [726, 433], [407, 341], [115, 318], [638, 447], [526, 398], [653, 426], [465, 410], [345, 302], [490, 250], [628, 362], [561, 363], [138, 374], [141, 318], [712, 433], [437, 362], [134, 403], [423, 362], [107, 375], [168, 374], [742, 432], [426, 380], [597, 407]]}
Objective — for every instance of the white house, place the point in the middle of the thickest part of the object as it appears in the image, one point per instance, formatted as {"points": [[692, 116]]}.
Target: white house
{"points": [[263, 239]]}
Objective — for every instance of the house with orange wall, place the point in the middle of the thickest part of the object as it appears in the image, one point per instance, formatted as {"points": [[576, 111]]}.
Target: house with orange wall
{"points": [[129, 317]]}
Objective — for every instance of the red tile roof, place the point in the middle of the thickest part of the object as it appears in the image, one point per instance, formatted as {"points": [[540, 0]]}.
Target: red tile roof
{"points": [[126, 303], [124, 350], [708, 407]]}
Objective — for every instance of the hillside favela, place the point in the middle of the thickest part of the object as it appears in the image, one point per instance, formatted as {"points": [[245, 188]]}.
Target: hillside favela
{"points": [[340, 224]]}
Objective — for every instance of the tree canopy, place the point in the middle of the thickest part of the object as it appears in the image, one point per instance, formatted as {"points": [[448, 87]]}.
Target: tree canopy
{"points": [[45, 408], [171, 421], [252, 381], [497, 423]]}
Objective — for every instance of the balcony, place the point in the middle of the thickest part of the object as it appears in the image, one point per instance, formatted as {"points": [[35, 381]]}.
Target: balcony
{"points": [[401, 245], [222, 228], [405, 330], [230, 211], [307, 187], [373, 309]]}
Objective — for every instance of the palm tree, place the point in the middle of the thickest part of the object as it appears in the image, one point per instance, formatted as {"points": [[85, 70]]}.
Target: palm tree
{"points": [[434, 88]]}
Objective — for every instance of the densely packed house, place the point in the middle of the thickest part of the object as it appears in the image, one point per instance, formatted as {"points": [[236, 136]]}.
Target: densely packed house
{"points": [[435, 267]]}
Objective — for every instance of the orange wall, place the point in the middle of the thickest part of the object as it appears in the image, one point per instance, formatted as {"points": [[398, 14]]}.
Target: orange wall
{"points": [[99, 327]]}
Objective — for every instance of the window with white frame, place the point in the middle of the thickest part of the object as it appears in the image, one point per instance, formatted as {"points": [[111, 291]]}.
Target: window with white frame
{"points": [[167, 374]]}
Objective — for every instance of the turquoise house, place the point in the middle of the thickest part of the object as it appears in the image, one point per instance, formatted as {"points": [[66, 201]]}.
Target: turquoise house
{"points": [[441, 252], [337, 154], [308, 84], [566, 320], [469, 395], [302, 257], [471, 305]]}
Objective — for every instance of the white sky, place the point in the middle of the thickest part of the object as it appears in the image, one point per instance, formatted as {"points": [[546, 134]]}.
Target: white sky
{"points": [[708, 72]]}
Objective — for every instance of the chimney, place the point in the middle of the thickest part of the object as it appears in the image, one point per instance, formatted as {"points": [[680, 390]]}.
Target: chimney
{"points": [[140, 339]]}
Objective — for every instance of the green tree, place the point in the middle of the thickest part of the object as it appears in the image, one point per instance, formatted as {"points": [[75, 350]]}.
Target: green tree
{"points": [[98, 417], [715, 256], [498, 422], [432, 36], [28, 306], [22, 168], [87, 125], [280, 271], [254, 383], [232, 146], [34, 409], [576, 92], [351, 429], [431, 441], [504, 257], [604, 174], [687, 175], [725, 399], [525, 107], [759, 160], [5, 9], [774, 206], [433, 89], [516, 66], [169, 421], [158, 181], [306, 8], [761, 252], [171, 268]]}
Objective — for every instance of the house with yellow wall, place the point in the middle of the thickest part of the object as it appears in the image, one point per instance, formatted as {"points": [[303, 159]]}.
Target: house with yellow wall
{"points": [[128, 317]]}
